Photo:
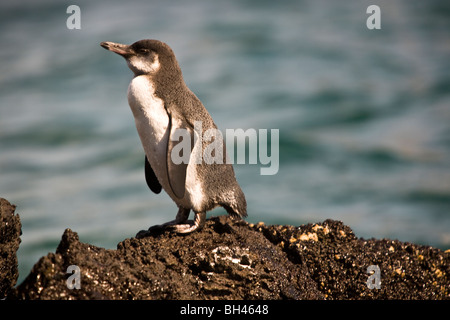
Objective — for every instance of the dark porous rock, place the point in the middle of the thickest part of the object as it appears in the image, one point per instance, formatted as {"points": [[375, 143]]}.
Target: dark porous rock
{"points": [[338, 263], [10, 232], [226, 260], [236, 260]]}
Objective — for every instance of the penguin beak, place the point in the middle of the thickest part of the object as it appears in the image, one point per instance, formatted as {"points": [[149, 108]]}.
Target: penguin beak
{"points": [[121, 49]]}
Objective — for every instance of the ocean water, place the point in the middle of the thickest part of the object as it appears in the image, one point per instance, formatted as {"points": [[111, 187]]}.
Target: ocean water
{"points": [[363, 115]]}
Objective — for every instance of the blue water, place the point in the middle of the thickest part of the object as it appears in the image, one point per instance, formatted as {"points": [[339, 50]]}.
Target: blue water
{"points": [[363, 115]]}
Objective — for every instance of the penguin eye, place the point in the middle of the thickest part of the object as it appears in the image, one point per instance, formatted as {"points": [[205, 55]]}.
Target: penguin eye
{"points": [[143, 50]]}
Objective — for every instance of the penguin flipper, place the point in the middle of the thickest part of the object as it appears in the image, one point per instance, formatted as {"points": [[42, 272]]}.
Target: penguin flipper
{"points": [[177, 163], [151, 179]]}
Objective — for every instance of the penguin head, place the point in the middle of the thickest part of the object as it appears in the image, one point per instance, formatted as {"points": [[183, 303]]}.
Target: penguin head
{"points": [[145, 56]]}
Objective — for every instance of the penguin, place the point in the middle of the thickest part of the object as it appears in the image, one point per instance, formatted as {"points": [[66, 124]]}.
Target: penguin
{"points": [[165, 110]]}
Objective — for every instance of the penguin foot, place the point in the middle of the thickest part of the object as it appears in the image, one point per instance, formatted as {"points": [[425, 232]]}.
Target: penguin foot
{"points": [[191, 226], [179, 225]]}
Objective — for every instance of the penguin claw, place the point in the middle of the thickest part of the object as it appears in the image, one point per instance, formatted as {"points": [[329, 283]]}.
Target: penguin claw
{"points": [[184, 228]]}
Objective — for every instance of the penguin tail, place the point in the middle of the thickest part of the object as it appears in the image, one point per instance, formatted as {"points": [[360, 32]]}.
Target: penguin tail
{"points": [[238, 207]]}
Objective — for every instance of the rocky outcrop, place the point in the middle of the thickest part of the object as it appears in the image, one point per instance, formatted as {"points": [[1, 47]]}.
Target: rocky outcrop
{"points": [[237, 260], [228, 260], [10, 231], [224, 261]]}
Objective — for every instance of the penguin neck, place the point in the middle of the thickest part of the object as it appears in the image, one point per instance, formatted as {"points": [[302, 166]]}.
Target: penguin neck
{"points": [[168, 84]]}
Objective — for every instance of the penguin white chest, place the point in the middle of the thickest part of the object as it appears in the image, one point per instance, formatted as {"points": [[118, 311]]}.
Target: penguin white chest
{"points": [[152, 123], [151, 120]]}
